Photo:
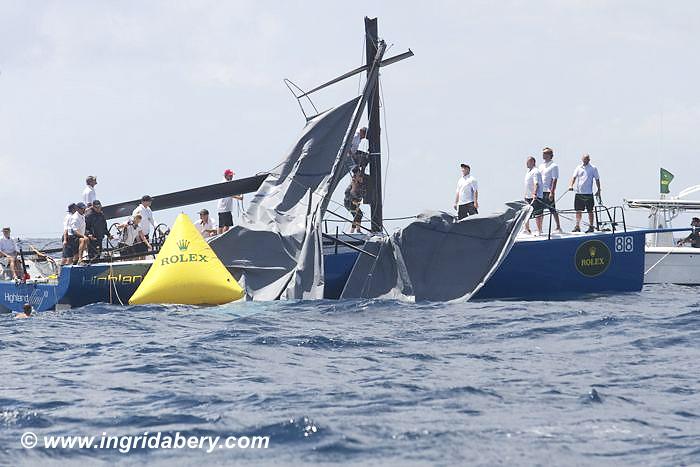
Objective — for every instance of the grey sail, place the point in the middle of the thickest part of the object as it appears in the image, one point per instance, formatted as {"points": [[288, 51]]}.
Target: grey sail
{"points": [[435, 258], [276, 249]]}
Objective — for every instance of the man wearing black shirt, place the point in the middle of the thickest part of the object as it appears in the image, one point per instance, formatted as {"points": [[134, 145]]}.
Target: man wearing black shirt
{"points": [[95, 229], [694, 237]]}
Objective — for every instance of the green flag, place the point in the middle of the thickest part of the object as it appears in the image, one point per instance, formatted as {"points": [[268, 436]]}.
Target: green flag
{"points": [[666, 178]]}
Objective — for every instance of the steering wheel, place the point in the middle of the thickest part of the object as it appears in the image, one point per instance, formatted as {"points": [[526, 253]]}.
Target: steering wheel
{"points": [[160, 233]]}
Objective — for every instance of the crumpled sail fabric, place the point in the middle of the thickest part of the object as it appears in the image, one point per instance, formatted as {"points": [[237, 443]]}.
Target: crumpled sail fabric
{"points": [[435, 258], [277, 247]]}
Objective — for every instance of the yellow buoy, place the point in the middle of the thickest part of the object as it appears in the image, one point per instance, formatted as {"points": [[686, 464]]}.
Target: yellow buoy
{"points": [[187, 272]]}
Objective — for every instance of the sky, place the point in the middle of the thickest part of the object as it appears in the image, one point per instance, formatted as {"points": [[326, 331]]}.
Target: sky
{"points": [[158, 96]]}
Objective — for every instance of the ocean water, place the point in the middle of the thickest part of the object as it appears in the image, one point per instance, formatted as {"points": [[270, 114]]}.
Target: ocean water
{"points": [[601, 381]]}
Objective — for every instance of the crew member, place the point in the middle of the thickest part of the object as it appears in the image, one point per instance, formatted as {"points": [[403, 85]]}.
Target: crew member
{"points": [[225, 206], [95, 229], [204, 224], [694, 237], [8, 251], [89, 194], [533, 194], [144, 210], [359, 149], [550, 175], [76, 229], [583, 177], [133, 241], [357, 137], [467, 196], [68, 250], [26, 312], [353, 198]]}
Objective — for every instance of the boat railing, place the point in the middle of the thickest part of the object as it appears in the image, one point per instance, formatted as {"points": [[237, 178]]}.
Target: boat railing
{"points": [[605, 218]]}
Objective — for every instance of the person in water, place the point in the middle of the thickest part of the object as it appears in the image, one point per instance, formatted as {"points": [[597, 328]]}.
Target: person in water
{"points": [[354, 194], [694, 237], [26, 312]]}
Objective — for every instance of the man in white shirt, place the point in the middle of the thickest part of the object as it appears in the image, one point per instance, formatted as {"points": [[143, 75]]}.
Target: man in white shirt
{"points": [[133, 241], [76, 228], [68, 251], [550, 177], [8, 251], [204, 224], [467, 196], [225, 206], [144, 210], [533, 194], [357, 137], [89, 194], [583, 180]]}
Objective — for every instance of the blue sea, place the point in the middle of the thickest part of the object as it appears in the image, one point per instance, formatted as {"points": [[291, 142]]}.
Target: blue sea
{"points": [[606, 380]]}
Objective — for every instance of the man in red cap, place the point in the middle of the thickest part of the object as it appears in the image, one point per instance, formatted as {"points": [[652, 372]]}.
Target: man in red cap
{"points": [[225, 206]]}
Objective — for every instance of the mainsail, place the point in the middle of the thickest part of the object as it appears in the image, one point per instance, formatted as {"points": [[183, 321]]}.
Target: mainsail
{"points": [[277, 246]]}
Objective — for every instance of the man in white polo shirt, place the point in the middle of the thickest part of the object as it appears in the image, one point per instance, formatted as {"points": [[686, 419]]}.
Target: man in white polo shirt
{"points": [[204, 225], [582, 179], [144, 210], [550, 176], [467, 196], [533, 193], [89, 194]]}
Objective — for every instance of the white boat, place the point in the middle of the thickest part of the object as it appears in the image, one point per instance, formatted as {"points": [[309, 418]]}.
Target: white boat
{"points": [[665, 262]]}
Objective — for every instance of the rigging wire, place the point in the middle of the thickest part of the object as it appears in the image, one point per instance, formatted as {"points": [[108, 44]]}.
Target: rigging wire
{"points": [[362, 62], [386, 138]]}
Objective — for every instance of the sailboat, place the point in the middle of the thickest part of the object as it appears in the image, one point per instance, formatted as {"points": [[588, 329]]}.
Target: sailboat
{"points": [[282, 250]]}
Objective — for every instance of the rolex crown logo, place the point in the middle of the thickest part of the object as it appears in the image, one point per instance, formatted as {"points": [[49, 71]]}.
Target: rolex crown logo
{"points": [[591, 250], [183, 244]]}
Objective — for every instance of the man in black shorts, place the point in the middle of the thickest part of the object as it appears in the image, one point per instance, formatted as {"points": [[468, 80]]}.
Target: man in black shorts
{"points": [[70, 248], [583, 178], [533, 194], [225, 206]]}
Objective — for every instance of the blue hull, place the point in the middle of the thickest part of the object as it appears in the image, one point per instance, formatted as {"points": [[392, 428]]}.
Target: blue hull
{"points": [[42, 296], [544, 269], [533, 270]]}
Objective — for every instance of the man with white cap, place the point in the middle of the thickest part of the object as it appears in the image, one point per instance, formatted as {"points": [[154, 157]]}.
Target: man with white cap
{"points": [[225, 206]]}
